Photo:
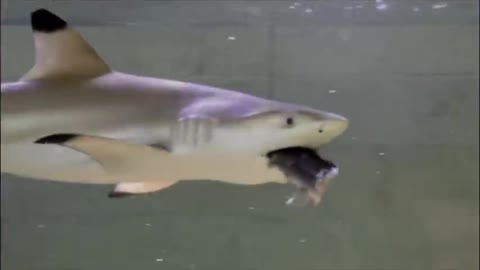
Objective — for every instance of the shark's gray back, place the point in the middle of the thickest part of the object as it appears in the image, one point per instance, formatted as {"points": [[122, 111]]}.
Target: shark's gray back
{"points": [[105, 104]]}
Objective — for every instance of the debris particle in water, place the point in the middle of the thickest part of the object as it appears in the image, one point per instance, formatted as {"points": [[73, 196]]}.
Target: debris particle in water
{"points": [[331, 91], [308, 10], [377, 172], [381, 154], [382, 6], [251, 208], [148, 224], [159, 260], [439, 5], [302, 240], [40, 226], [290, 200], [231, 38]]}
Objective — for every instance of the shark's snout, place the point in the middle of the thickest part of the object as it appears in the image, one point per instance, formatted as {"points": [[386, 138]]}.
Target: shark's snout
{"points": [[334, 117], [339, 124], [332, 125]]}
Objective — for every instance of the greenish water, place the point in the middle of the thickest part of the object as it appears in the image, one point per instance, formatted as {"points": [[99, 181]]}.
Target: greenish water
{"points": [[407, 193], [420, 212]]}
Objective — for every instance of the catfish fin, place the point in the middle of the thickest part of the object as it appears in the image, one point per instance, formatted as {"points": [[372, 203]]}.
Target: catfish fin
{"points": [[299, 199], [304, 196]]}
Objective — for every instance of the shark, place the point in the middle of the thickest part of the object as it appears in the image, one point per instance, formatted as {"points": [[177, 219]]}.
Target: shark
{"points": [[72, 118]]}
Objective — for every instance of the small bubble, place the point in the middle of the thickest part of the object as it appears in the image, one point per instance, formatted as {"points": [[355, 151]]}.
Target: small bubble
{"points": [[354, 138], [291, 7], [377, 172], [381, 154], [231, 38], [416, 9], [251, 208], [159, 260], [308, 10], [148, 224], [40, 226], [332, 91], [302, 240]]}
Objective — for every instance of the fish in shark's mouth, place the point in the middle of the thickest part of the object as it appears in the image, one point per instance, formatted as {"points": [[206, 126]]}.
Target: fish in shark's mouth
{"points": [[306, 169]]}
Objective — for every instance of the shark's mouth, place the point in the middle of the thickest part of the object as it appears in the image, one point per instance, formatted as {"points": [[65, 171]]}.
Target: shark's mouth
{"points": [[305, 168]]}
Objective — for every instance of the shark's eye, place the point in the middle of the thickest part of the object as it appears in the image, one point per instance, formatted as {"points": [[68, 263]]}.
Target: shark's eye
{"points": [[289, 121]]}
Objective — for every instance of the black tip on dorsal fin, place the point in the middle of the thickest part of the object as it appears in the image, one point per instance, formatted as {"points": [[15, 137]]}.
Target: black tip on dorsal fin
{"points": [[56, 139], [43, 20]]}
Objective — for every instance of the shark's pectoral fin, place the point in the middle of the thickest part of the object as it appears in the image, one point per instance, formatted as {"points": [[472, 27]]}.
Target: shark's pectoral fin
{"points": [[60, 51], [136, 188], [114, 156]]}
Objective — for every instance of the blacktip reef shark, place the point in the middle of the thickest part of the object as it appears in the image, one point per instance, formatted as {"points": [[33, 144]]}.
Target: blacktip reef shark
{"points": [[72, 118]]}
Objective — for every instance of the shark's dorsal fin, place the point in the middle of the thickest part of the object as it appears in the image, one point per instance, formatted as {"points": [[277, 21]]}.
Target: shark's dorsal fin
{"points": [[60, 51]]}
